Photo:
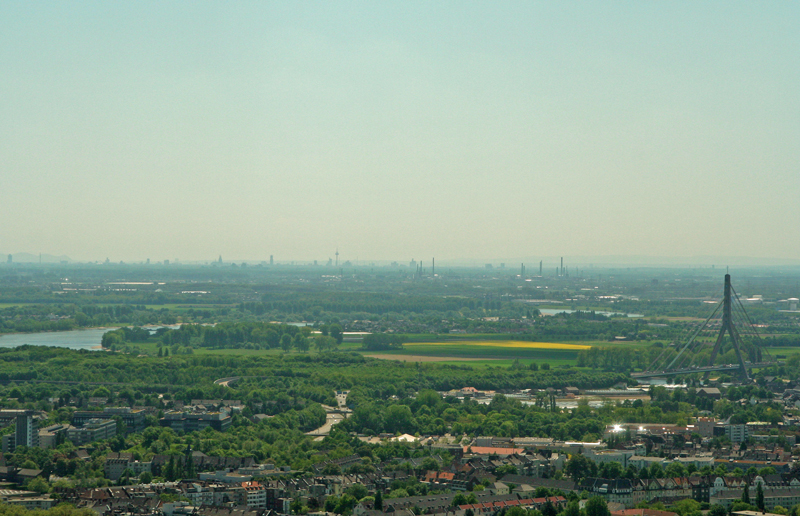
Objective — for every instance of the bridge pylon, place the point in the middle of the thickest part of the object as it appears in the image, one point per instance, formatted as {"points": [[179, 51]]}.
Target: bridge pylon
{"points": [[729, 328]]}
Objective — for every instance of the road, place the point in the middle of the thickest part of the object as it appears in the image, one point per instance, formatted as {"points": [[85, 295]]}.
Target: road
{"points": [[333, 415]]}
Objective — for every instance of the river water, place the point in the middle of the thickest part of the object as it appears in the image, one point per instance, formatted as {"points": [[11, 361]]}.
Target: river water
{"points": [[554, 311], [73, 339]]}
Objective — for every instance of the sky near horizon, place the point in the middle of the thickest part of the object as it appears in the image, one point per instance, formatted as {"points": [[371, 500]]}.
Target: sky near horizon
{"points": [[399, 130]]}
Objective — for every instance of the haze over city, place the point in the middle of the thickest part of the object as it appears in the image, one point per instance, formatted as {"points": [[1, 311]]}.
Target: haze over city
{"points": [[652, 132]]}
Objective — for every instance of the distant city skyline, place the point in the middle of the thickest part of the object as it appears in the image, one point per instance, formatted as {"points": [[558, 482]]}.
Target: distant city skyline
{"points": [[503, 263], [399, 130]]}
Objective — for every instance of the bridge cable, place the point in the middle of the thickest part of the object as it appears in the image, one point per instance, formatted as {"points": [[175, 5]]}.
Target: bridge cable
{"points": [[694, 336], [753, 326]]}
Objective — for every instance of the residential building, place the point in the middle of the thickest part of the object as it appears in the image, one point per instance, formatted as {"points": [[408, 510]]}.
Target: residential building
{"points": [[186, 421], [93, 430], [133, 419], [737, 433], [26, 432]]}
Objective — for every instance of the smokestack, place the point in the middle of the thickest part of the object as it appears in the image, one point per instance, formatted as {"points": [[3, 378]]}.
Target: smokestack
{"points": [[562, 265], [433, 266]]}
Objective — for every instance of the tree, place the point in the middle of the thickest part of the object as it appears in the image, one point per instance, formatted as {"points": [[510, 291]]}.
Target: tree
{"points": [[146, 477], [687, 507], [458, 500], [346, 504], [379, 500], [578, 467], [336, 332], [191, 472], [549, 509], [286, 342], [430, 464], [39, 485], [301, 342], [759, 496], [746, 493], [611, 470], [656, 471], [675, 469], [597, 506], [169, 469], [324, 343], [573, 509], [331, 469], [357, 491], [717, 510], [739, 505]]}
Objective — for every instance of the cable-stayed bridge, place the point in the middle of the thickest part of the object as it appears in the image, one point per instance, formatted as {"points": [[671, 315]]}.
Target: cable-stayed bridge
{"points": [[733, 319]]}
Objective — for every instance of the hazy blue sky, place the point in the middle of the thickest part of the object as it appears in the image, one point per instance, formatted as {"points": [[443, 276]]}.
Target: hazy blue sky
{"points": [[396, 130]]}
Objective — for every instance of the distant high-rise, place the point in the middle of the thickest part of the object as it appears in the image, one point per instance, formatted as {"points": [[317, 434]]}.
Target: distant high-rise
{"points": [[10, 259], [220, 259], [337, 256], [271, 261], [166, 262], [148, 261], [540, 267], [26, 432]]}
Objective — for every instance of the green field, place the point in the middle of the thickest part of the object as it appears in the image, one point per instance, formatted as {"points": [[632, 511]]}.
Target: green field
{"points": [[478, 353], [492, 352], [783, 350]]}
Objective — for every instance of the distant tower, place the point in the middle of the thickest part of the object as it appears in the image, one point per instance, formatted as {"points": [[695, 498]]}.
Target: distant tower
{"points": [[271, 261], [148, 261], [433, 266], [562, 265], [729, 327], [220, 259], [337, 256], [10, 259], [25, 434], [522, 270], [540, 267]]}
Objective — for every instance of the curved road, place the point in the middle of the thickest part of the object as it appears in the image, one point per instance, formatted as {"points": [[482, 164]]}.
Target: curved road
{"points": [[332, 415]]}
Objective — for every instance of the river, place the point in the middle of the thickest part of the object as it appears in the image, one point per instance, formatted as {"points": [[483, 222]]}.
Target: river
{"points": [[73, 339], [554, 311]]}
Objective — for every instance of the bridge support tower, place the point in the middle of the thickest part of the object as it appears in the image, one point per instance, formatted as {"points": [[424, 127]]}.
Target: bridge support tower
{"points": [[728, 326]]}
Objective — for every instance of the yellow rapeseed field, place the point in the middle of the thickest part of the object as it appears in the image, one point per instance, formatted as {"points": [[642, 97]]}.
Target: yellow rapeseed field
{"points": [[503, 344]]}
